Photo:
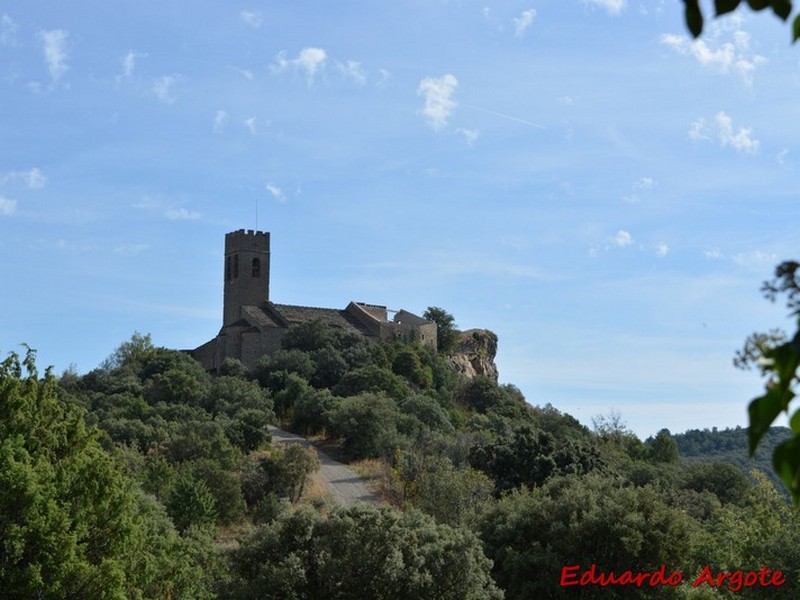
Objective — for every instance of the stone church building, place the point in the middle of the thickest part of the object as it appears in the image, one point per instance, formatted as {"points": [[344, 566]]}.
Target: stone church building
{"points": [[253, 325]]}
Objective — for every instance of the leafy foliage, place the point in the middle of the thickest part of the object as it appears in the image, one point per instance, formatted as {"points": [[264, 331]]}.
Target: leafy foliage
{"points": [[361, 552], [282, 473], [368, 423], [529, 457], [190, 503], [588, 520], [191, 460], [781, 8], [446, 332], [372, 379], [731, 446], [780, 364], [72, 524]]}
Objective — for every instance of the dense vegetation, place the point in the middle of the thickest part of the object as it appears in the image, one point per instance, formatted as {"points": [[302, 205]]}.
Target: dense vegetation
{"points": [[731, 446], [150, 478]]}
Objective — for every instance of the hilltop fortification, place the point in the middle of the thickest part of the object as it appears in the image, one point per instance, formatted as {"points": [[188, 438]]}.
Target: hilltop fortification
{"points": [[253, 325]]}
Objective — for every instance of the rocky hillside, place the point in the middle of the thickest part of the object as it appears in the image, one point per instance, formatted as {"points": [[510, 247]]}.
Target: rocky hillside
{"points": [[474, 354]]}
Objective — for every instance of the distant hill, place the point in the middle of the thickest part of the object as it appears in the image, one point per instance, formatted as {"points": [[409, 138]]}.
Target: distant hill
{"points": [[730, 446]]}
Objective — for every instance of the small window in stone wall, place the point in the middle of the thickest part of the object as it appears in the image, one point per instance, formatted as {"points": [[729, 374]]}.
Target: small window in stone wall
{"points": [[256, 267], [235, 266], [228, 268]]}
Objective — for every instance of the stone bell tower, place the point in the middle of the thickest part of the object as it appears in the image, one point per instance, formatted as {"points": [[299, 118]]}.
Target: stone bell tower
{"points": [[246, 272]]}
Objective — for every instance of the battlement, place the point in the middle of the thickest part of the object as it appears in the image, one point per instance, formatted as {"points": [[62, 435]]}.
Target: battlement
{"points": [[247, 241], [247, 232]]}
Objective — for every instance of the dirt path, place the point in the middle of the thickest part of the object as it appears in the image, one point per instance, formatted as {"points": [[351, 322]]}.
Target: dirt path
{"points": [[343, 483]]}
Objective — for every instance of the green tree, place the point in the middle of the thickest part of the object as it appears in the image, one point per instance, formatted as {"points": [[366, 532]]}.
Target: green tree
{"points": [[361, 552], [664, 448], [451, 495], [165, 564], [408, 363], [311, 409], [133, 353], [367, 423], [71, 523], [429, 412], [191, 502], [530, 535], [372, 379], [725, 481], [446, 332], [482, 394], [282, 473]]}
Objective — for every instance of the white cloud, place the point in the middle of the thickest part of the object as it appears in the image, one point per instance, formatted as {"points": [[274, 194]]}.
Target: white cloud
{"points": [[728, 57], [470, 135], [34, 179], [623, 238], [276, 192], [746, 66], [438, 99], [147, 203], [781, 156], [250, 123], [643, 185], [352, 70], [740, 140], [251, 18], [220, 120], [54, 44], [129, 63], [130, 248], [7, 206], [744, 259], [613, 7], [523, 22], [8, 31], [246, 73], [713, 253], [741, 39], [662, 249], [697, 131], [720, 59], [164, 88], [181, 214], [309, 60], [385, 76]]}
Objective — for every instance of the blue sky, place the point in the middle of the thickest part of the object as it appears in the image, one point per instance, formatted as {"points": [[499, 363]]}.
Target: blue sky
{"points": [[576, 175]]}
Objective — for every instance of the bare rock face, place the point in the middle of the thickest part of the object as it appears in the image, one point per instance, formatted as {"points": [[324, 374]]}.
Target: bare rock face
{"points": [[475, 354]]}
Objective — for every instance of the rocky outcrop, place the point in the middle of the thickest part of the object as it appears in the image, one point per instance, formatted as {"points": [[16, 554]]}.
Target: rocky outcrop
{"points": [[474, 354]]}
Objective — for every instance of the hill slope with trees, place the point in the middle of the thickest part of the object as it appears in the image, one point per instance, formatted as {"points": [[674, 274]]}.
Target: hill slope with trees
{"points": [[150, 478]]}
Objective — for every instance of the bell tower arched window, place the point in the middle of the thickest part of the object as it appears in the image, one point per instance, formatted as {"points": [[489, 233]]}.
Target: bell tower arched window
{"points": [[256, 267]]}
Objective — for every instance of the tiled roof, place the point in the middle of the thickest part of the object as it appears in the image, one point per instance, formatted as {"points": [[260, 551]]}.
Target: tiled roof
{"points": [[329, 316], [256, 316]]}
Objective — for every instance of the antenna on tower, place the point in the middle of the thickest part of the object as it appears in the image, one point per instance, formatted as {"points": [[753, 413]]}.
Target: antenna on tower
{"points": [[256, 212]]}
